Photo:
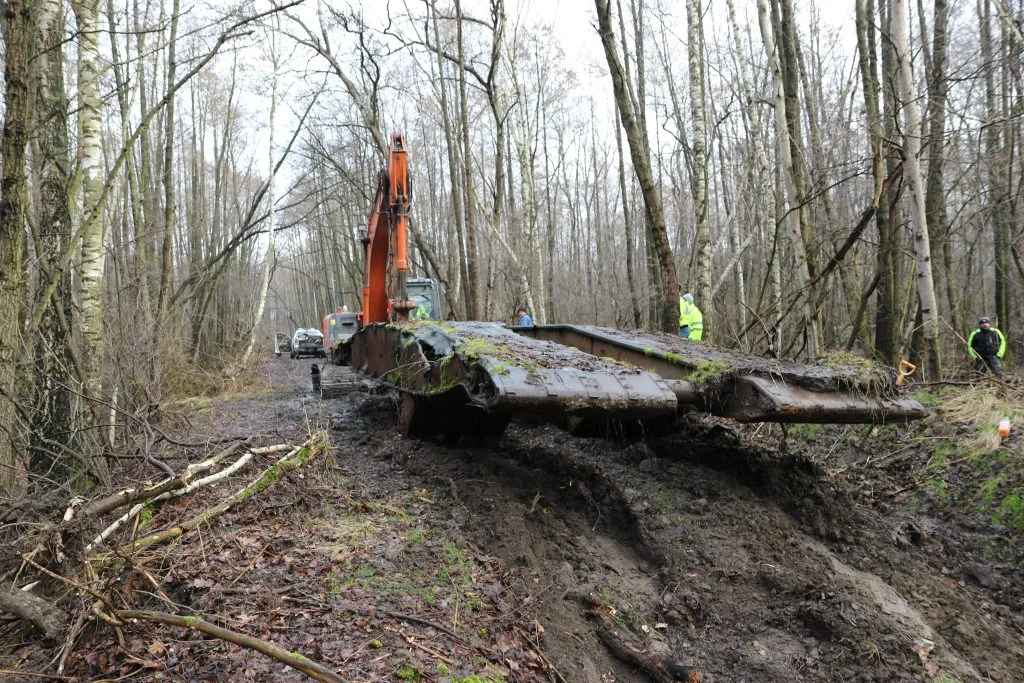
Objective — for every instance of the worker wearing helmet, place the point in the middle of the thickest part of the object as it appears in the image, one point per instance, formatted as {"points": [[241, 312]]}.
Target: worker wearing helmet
{"points": [[691, 320], [420, 312], [986, 346]]}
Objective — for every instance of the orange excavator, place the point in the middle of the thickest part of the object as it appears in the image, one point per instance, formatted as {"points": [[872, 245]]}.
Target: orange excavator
{"points": [[458, 377]]}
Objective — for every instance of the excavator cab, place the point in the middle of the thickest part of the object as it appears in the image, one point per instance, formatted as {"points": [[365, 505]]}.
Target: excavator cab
{"points": [[425, 292]]}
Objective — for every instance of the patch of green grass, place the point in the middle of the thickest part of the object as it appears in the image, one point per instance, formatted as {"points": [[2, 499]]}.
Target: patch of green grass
{"points": [[939, 489], [1011, 512], [803, 430], [665, 499], [941, 453], [926, 397], [989, 490], [407, 673]]}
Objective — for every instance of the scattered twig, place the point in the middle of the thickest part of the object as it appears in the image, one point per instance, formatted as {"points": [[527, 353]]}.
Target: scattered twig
{"points": [[423, 622], [5, 672], [253, 563], [295, 660], [537, 650], [433, 653], [661, 670]]}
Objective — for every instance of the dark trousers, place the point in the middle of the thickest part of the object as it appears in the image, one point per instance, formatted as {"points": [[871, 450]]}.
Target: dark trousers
{"points": [[985, 363]]}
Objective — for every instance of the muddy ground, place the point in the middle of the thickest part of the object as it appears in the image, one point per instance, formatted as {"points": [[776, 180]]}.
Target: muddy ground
{"points": [[716, 552]]}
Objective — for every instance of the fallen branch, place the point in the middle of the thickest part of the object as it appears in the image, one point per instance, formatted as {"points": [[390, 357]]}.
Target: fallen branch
{"points": [[205, 481], [537, 651], [661, 670], [294, 459], [129, 496], [423, 622], [9, 672], [41, 613], [317, 672]]}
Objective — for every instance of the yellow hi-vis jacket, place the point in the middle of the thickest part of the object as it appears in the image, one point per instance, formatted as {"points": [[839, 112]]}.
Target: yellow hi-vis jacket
{"points": [[691, 317]]}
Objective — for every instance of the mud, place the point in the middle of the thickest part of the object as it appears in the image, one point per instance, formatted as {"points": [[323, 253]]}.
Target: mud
{"points": [[749, 564], [745, 561]]}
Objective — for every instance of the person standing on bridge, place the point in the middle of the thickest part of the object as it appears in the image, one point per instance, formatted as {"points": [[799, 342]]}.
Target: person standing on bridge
{"points": [[986, 347], [691, 320], [524, 319]]}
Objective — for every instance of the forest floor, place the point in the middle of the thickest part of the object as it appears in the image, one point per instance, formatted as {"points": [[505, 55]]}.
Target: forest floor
{"points": [[713, 553]]}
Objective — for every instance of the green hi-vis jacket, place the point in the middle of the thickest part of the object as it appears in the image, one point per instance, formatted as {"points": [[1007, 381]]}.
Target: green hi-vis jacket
{"points": [[420, 313], [986, 343], [690, 316]]}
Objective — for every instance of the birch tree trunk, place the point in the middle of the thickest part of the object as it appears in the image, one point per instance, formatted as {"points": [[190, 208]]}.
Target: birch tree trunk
{"points": [[763, 180], [451, 145], [935, 197], [473, 308], [789, 214], [995, 162], [912, 173], [93, 208], [668, 309], [702, 248], [268, 264], [627, 221]]}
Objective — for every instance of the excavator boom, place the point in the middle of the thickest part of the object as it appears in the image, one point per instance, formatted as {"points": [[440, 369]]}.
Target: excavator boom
{"points": [[387, 263]]}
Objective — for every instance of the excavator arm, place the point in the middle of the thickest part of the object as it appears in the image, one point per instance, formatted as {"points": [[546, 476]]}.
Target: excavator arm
{"points": [[385, 298]]}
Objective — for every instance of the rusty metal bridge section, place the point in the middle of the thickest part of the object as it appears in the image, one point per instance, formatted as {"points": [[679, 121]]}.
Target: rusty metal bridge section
{"points": [[466, 377]]}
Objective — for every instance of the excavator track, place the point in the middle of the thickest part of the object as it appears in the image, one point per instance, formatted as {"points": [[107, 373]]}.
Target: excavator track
{"points": [[470, 376], [334, 381]]}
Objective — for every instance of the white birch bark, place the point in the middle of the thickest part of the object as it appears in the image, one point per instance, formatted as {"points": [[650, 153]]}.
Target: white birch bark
{"points": [[521, 135], [268, 264], [765, 224], [915, 182], [695, 52], [91, 190]]}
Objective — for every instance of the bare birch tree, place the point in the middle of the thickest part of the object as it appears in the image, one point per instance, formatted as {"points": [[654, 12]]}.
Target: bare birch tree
{"points": [[268, 264], [915, 181], [702, 246]]}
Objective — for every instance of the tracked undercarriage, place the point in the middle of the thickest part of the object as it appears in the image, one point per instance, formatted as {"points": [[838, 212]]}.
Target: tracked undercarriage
{"points": [[471, 377]]}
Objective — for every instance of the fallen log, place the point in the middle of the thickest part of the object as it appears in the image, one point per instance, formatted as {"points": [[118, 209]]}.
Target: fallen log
{"points": [[317, 672], [42, 614]]}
